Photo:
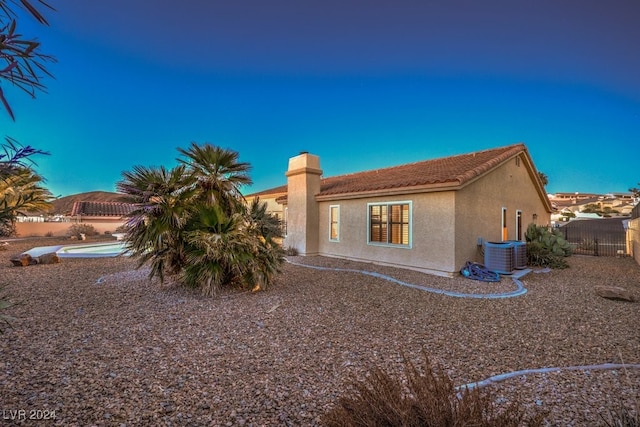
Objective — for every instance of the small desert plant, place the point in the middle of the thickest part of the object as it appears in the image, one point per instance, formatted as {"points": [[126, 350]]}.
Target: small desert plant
{"points": [[7, 229], [539, 256], [78, 229], [48, 234], [291, 251], [621, 417], [546, 248], [619, 414], [427, 398]]}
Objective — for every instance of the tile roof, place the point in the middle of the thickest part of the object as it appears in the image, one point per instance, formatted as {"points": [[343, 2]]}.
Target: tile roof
{"points": [[110, 209], [446, 172], [270, 191]]}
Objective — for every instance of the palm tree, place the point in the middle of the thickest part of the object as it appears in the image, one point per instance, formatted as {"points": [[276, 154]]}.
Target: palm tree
{"points": [[218, 173], [266, 224], [164, 205], [228, 249], [21, 192], [192, 222], [20, 185], [21, 62], [543, 178]]}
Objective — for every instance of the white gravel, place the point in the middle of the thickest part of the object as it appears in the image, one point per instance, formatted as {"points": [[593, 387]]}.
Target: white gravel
{"points": [[95, 343]]}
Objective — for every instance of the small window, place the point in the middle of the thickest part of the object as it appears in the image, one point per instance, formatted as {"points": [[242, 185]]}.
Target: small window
{"points": [[389, 223], [334, 223]]}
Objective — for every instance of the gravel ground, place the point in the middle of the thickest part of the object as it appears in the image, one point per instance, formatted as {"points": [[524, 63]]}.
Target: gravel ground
{"points": [[95, 343]]}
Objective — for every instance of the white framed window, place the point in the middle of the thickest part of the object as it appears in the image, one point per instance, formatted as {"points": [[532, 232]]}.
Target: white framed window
{"points": [[334, 223], [519, 225], [389, 224]]}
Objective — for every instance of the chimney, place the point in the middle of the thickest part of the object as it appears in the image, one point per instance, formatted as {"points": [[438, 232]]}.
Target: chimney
{"points": [[303, 184]]}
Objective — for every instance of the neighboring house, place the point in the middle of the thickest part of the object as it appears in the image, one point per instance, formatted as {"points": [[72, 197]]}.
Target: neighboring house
{"points": [[100, 211], [102, 216], [572, 205], [430, 216]]}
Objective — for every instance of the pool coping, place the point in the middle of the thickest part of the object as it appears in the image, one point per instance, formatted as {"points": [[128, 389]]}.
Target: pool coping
{"points": [[59, 250]]}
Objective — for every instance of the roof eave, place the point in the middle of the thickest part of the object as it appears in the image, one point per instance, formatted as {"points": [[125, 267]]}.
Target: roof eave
{"points": [[385, 192]]}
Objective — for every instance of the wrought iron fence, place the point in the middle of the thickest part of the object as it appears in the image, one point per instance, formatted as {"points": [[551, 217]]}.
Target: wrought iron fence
{"points": [[599, 237]]}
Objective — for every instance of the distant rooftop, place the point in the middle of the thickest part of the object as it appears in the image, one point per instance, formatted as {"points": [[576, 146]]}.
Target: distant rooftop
{"points": [[108, 209]]}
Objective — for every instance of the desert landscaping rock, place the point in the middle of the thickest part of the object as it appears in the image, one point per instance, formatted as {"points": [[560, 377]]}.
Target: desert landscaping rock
{"points": [[50, 258], [97, 343], [23, 260], [615, 293]]}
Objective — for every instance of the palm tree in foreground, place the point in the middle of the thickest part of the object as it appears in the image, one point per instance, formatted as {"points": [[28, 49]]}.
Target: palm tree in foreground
{"points": [[155, 228], [192, 222]]}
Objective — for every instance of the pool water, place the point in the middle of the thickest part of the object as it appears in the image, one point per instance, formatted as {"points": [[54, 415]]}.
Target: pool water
{"points": [[92, 250]]}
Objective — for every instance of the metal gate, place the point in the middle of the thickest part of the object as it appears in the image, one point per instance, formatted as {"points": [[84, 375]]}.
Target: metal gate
{"points": [[599, 237]]}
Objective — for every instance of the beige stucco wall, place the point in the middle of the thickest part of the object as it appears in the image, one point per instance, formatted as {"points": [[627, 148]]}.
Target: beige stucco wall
{"points": [[303, 184], [479, 209], [446, 225], [432, 243], [33, 229], [273, 207], [633, 238]]}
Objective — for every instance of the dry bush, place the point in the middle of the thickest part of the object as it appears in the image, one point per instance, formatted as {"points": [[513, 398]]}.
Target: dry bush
{"points": [[86, 229], [429, 398]]}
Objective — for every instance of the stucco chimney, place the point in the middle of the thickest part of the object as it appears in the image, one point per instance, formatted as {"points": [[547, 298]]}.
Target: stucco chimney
{"points": [[303, 183]]}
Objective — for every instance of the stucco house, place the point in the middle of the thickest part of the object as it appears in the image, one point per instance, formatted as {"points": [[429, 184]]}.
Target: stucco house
{"points": [[430, 216]]}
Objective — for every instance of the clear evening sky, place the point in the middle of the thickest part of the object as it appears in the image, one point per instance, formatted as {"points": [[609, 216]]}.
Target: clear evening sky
{"points": [[361, 83]]}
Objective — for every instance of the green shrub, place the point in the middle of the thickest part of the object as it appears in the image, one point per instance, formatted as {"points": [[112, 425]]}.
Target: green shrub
{"points": [[539, 256], [427, 398], [546, 248], [86, 229]]}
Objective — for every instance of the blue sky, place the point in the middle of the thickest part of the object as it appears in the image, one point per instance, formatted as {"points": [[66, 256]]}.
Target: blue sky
{"points": [[361, 83]]}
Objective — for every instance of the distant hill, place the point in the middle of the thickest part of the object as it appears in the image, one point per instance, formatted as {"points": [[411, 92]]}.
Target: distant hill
{"points": [[63, 205]]}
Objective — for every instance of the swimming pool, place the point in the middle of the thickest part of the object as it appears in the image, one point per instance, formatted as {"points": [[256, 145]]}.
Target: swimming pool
{"points": [[95, 250], [89, 250]]}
